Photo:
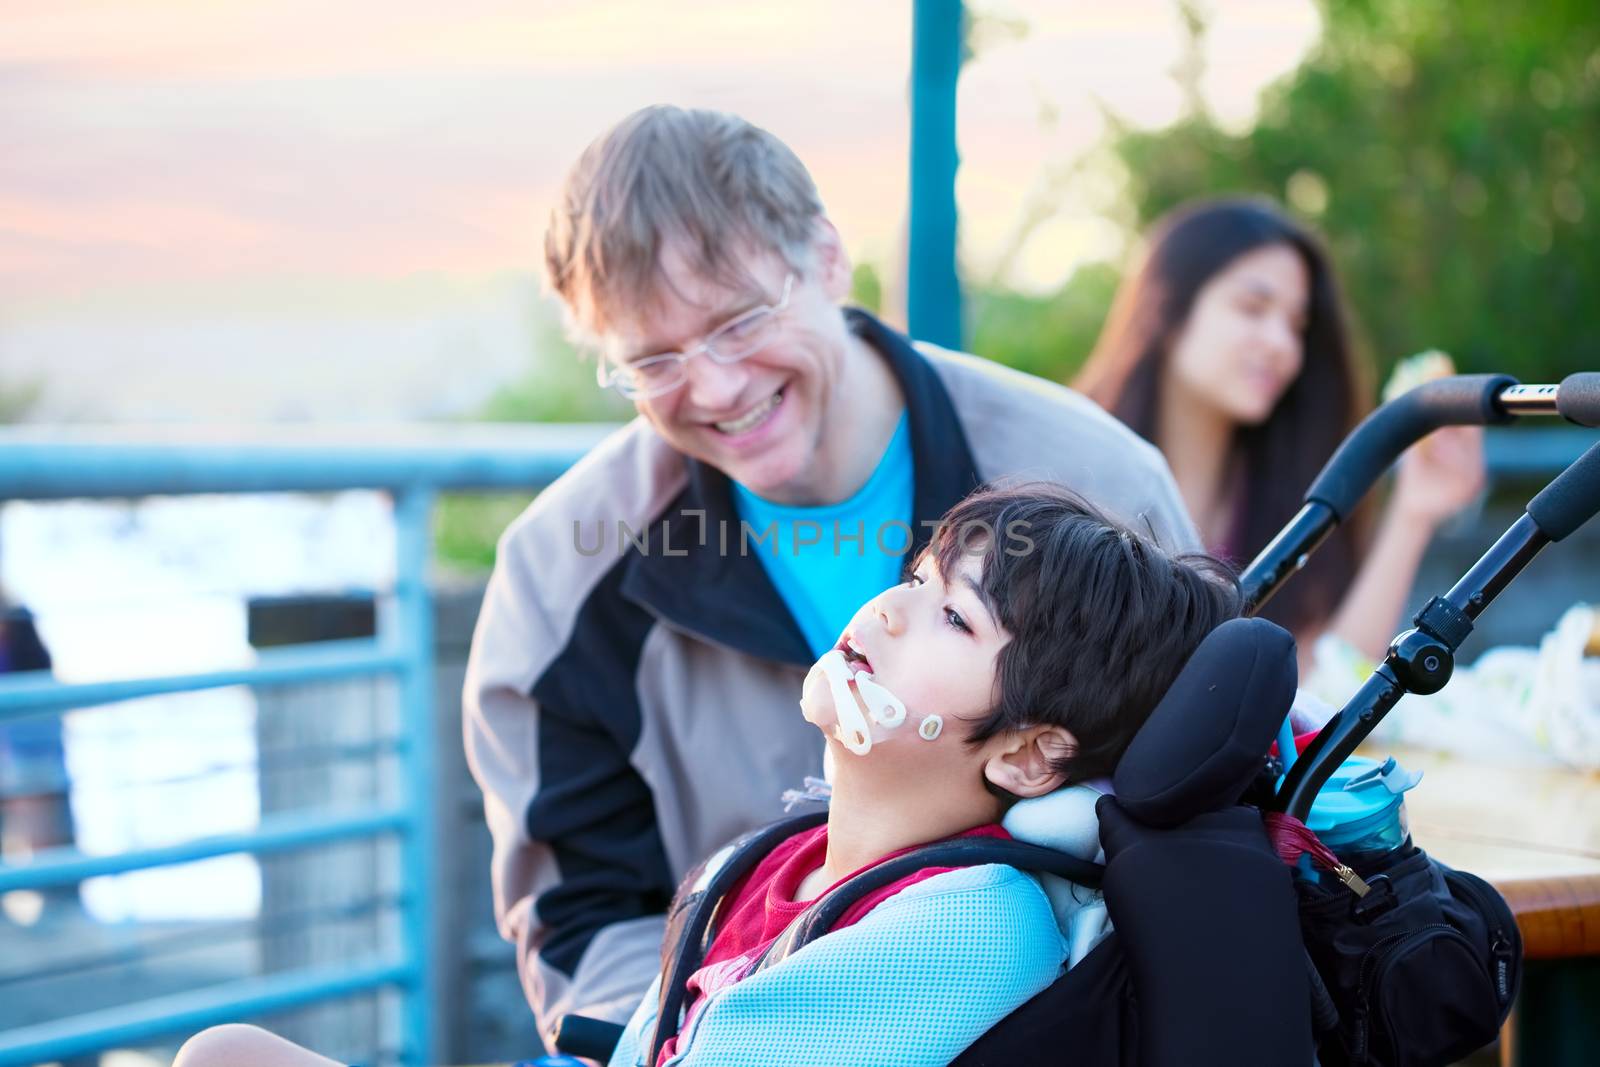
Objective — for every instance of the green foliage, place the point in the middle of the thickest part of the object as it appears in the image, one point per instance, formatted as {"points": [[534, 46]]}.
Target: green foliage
{"points": [[17, 397], [15, 400], [559, 387], [1442, 149], [1049, 336], [866, 288], [466, 527]]}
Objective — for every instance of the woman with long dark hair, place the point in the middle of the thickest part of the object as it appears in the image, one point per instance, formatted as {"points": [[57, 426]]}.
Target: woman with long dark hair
{"points": [[1229, 349]]}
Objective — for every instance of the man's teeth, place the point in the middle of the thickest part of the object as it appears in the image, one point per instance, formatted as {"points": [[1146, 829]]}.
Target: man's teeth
{"points": [[750, 419]]}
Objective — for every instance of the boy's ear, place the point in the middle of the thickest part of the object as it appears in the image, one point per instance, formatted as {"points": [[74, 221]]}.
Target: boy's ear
{"points": [[1025, 765]]}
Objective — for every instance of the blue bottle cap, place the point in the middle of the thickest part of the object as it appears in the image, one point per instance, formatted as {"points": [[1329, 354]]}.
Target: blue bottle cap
{"points": [[1361, 795]]}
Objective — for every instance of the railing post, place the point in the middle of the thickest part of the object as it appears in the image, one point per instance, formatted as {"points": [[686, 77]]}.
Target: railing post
{"points": [[933, 290], [413, 513]]}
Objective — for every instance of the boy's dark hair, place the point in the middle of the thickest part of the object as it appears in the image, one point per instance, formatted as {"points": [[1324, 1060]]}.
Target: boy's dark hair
{"points": [[1101, 620]]}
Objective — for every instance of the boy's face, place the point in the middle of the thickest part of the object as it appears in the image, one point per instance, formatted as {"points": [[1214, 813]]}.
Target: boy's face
{"points": [[930, 641]]}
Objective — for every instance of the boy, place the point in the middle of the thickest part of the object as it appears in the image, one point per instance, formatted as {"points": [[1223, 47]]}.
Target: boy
{"points": [[1024, 651]]}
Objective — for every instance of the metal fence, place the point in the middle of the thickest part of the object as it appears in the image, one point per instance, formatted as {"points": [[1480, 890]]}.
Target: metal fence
{"points": [[414, 464]]}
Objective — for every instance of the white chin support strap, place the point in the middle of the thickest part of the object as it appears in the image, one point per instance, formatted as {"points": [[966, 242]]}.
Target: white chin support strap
{"points": [[887, 710], [884, 707]]}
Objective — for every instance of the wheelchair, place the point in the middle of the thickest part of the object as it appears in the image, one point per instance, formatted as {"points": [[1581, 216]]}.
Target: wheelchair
{"points": [[1205, 962]]}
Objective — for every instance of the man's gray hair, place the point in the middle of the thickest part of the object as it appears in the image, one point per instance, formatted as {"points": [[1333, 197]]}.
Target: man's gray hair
{"points": [[710, 183]]}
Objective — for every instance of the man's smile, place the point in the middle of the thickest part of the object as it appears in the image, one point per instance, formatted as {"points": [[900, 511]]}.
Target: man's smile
{"points": [[752, 418]]}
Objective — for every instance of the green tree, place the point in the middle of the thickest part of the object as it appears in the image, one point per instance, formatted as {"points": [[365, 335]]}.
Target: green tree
{"points": [[1439, 147], [1441, 150], [16, 400], [560, 383], [16, 397], [1044, 335]]}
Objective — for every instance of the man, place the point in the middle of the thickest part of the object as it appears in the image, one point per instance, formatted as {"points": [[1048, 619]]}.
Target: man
{"points": [[630, 699]]}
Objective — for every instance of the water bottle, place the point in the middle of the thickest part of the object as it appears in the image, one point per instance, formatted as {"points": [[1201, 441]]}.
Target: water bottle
{"points": [[1361, 813]]}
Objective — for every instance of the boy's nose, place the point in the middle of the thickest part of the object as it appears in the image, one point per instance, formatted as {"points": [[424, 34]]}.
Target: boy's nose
{"points": [[888, 615]]}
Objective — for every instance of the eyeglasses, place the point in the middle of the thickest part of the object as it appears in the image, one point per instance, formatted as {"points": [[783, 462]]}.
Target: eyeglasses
{"points": [[741, 336]]}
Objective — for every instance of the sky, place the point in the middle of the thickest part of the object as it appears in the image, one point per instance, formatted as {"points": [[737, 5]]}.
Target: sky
{"points": [[292, 210]]}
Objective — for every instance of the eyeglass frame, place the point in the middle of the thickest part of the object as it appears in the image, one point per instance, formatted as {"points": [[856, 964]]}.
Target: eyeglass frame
{"points": [[619, 376]]}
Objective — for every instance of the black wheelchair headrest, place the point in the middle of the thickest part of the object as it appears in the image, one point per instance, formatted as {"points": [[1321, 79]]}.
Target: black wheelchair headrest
{"points": [[1205, 741]]}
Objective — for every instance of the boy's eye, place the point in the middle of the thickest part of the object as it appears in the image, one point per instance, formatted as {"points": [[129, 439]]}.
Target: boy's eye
{"points": [[954, 618], [914, 578]]}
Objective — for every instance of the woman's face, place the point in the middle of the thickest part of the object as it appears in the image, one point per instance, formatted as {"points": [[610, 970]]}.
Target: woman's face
{"points": [[1243, 341]]}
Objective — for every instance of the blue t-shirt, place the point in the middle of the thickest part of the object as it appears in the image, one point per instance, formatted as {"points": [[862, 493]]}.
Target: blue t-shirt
{"points": [[827, 561]]}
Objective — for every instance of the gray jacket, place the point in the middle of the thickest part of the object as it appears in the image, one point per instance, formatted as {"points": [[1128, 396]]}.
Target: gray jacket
{"points": [[631, 698]]}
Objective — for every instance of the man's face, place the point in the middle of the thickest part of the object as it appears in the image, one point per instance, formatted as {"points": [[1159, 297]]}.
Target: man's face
{"points": [[762, 420]]}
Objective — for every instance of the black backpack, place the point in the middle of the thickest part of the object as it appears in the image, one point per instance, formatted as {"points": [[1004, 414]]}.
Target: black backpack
{"points": [[1422, 969]]}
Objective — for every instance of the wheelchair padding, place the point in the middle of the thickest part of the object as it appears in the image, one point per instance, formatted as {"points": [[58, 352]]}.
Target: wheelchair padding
{"points": [[1204, 967], [820, 917], [1209, 921], [1087, 1018], [1205, 741], [689, 932]]}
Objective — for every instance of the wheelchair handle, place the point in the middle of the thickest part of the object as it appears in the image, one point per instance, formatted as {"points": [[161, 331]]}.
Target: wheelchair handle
{"points": [[1422, 659], [1579, 398], [1463, 400], [1572, 499], [1369, 451]]}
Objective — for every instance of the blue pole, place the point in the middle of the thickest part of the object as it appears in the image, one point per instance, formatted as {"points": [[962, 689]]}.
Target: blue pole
{"points": [[933, 291], [413, 514]]}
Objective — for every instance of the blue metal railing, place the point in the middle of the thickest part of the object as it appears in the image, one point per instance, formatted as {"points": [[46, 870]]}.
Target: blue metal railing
{"points": [[414, 464]]}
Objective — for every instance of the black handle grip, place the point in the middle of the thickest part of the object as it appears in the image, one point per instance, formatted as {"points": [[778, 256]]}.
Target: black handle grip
{"points": [[1571, 500], [1579, 398], [579, 1035], [1464, 400]]}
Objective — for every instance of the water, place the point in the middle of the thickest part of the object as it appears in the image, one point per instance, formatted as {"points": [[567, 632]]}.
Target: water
{"points": [[124, 589]]}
